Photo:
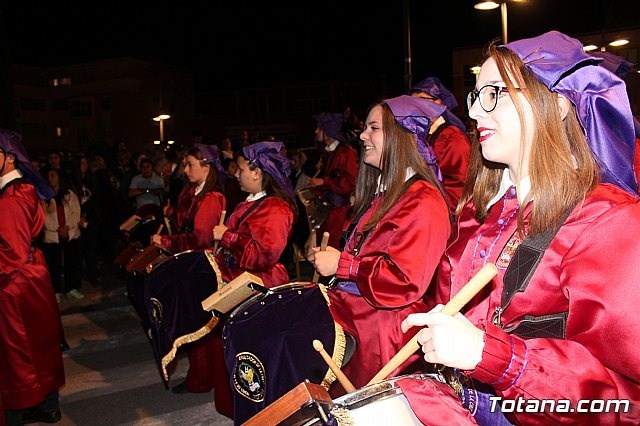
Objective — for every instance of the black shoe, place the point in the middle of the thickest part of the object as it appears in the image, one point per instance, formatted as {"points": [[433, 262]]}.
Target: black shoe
{"points": [[35, 416], [181, 388]]}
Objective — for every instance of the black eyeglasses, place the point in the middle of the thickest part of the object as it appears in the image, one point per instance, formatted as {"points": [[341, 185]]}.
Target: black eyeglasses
{"points": [[487, 95]]}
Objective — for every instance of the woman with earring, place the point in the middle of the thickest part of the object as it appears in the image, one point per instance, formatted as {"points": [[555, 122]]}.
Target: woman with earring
{"points": [[257, 231]]}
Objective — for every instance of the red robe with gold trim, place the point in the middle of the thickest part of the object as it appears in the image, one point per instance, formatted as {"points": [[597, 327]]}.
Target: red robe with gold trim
{"points": [[30, 327], [392, 270], [590, 270], [257, 242], [453, 150]]}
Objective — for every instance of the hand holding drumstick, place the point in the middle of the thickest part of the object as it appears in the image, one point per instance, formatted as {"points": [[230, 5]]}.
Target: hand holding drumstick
{"points": [[324, 259], [440, 347], [219, 230]]}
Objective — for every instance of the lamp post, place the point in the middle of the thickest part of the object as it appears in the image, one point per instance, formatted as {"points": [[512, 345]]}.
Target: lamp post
{"points": [[160, 119], [489, 5]]}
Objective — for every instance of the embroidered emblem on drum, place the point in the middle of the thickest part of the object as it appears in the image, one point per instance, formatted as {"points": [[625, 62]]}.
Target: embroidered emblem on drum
{"points": [[508, 251], [156, 311], [249, 377]]}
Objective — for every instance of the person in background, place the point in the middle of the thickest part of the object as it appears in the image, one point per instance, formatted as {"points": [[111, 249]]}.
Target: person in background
{"points": [[257, 231], [448, 138], [147, 187], [399, 211], [31, 368], [200, 215], [551, 181], [227, 149], [338, 181], [61, 239]]}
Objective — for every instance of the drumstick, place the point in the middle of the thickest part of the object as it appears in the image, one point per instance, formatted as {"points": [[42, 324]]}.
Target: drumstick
{"points": [[323, 247], [159, 229], [466, 293], [221, 222], [344, 381]]}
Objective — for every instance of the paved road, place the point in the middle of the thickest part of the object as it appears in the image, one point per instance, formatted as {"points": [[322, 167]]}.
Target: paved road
{"points": [[111, 374]]}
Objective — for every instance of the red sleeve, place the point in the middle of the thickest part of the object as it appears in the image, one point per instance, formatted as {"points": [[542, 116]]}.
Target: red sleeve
{"points": [[340, 175], [15, 235], [262, 236], [396, 263], [598, 359], [207, 216]]}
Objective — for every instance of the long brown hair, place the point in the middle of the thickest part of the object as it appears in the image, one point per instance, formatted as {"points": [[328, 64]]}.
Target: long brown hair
{"points": [[399, 153], [562, 168], [212, 181]]}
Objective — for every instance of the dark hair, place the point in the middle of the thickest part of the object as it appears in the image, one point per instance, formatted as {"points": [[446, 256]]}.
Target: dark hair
{"points": [[272, 188], [212, 181]]}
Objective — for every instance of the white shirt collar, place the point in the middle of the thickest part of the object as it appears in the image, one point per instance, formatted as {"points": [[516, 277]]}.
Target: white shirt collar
{"points": [[522, 190], [254, 197], [332, 147], [381, 188], [200, 187], [12, 175]]}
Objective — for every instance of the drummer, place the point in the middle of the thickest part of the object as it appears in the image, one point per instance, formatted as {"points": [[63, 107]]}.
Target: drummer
{"points": [[395, 238], [202, 212], [556, 143], [257, 232]]}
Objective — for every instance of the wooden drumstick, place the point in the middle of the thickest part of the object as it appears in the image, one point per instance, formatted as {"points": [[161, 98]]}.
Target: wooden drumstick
{"points": [[221, 222], [466, 293], [160, 229], [344, 381], [323, 247]]}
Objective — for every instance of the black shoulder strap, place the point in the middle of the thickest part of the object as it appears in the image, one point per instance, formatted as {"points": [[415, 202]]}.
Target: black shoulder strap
{"points": [[525, 261], [251, 208]]}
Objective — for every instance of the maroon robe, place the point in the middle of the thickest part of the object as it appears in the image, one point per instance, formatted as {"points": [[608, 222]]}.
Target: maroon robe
{"points": [[590, 270], [339, 178], [392, 271], [203, 215], [453, 151], [30, 327], [257, 242]]}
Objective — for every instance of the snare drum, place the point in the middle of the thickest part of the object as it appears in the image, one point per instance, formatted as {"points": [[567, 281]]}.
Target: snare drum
{"points": [[269, 345], [381, 404]]}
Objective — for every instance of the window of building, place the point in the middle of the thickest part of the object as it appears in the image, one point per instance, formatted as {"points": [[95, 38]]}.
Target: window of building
{"points": [[80, 107], [31, 104], [61, 81]]}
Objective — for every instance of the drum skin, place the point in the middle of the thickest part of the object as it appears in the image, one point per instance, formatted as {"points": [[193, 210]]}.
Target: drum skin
{"points": [[269, 345]]}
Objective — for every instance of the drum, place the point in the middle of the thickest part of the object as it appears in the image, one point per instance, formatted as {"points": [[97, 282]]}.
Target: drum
{"points": [[381, 404], [145, 261], [315, 205], [172, 295], [269, 345]]}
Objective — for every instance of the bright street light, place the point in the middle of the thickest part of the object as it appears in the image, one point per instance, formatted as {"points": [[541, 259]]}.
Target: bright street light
{"points": [[489, 5], [160, 119]]}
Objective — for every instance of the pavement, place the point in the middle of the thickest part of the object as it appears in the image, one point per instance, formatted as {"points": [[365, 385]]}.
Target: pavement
{"points": [[111, 374]]}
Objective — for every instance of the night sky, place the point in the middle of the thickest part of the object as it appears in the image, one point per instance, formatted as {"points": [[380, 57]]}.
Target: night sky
{"points": [[250, 43]]}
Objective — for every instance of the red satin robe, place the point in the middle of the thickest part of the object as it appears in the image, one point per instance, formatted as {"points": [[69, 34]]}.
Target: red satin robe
{"points": [[340, 177], [257, 242], [392, 270], [204, 215], [30, 328], [453, 150], [589, 270]]}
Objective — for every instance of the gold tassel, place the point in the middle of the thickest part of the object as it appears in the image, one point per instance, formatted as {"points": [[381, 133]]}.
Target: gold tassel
{"points": [[342, 416], [339, 345]]}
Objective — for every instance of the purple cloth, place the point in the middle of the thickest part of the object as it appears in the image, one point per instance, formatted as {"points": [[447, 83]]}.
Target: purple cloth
{"points": [[331, 124], [433, 87], [210, 155], [11, 143], [614, 63], [416, 115], [266, 156], [600, 98]]}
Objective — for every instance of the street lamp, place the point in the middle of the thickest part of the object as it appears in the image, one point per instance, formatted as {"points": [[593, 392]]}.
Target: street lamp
{"points": [[160, 119], [489, 5]]}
